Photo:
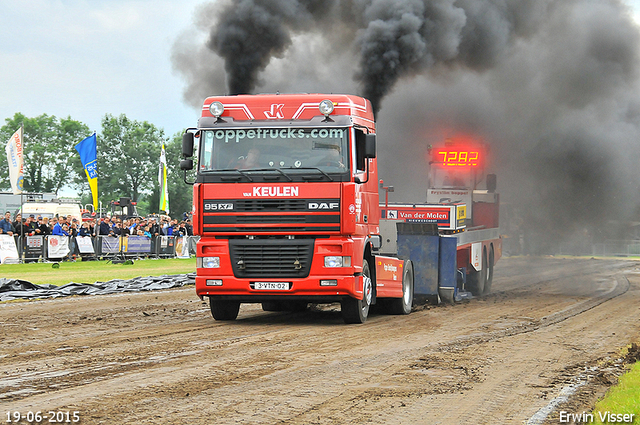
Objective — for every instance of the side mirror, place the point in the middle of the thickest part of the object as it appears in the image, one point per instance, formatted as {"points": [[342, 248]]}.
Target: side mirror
{"points": [[186, 164], [187, 146], [370, 146]]}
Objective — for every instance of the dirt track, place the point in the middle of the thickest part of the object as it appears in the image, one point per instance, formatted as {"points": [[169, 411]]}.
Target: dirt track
{"points": [[160, 358]]}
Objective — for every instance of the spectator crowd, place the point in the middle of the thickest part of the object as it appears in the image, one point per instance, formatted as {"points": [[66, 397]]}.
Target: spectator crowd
{"points": [[104, 226]]}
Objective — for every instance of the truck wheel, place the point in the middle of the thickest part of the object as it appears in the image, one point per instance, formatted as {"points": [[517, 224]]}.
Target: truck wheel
{"points": [[224, 310], [475, 280], [357, 311], [489, 280], [403, 305]]}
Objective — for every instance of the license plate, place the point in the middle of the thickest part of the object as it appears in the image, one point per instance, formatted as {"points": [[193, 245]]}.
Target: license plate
{"points": [[272, 286]]}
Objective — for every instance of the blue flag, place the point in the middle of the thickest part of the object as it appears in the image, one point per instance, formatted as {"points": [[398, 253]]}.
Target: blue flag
{"points": [[88, 150]]}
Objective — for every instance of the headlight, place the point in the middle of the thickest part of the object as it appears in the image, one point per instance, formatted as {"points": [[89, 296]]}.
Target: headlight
{"points": [[337, 261], [209, 262], [216, 109], [326, 107]]}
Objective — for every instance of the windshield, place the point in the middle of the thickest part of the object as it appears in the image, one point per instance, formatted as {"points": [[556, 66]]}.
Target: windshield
{"points": [[275, 148]]}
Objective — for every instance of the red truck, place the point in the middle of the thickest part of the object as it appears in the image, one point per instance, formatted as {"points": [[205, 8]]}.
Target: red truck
{"points": [[287, 207]]}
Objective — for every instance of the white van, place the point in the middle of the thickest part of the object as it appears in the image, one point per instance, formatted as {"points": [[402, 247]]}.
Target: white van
{"points": [[51, 209]]}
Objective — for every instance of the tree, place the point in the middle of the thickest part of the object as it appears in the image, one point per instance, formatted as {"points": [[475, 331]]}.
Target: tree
{"points": [[128, 155], [180, 193], [49, 158]]}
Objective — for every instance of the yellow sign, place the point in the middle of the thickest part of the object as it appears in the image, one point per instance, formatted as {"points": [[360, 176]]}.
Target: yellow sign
{"points": [[461, 215]]}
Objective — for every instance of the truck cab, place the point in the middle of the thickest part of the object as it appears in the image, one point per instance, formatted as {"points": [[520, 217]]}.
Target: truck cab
{"points": [[286, 203]]}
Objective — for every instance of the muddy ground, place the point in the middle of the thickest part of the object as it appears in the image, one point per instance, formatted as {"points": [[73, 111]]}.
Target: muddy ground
{"points": [[160, 358]]}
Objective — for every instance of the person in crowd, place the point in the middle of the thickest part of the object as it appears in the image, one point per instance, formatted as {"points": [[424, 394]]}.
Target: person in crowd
{"points": [[58, 228], [43, 226], [85, 229], [92, 227], [52, 224], [165, 226], [134, 226], [182, 229], [189, 227], [119, 230], [73, 227], [6, 227], [32, 224], [173, 225], [129, 226], [65, 230], [18, 221], [154, 228], [73, 232], [147, 231], [20, 227], [105, 227]]}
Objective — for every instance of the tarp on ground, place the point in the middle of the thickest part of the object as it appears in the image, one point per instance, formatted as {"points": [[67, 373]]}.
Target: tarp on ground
{"points": [[12, 289]]}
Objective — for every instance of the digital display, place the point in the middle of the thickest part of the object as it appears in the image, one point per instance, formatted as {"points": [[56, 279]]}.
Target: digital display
{"points": [[457, 158]]}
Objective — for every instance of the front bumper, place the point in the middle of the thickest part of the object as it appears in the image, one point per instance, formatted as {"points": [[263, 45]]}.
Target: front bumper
{"points": [[308, 288]]}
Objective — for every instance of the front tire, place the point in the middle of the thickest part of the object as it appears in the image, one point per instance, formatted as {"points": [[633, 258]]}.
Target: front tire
{"points": [[224, 310], [357, 311]]}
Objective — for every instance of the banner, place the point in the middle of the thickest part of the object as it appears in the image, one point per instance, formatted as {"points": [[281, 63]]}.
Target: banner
{"points": [[88, 150], [8, 250], [109, 245], [57, 246], [182, 247], [14, 150], [34, 247], [137, 244], [162, 180], [85, 244]]}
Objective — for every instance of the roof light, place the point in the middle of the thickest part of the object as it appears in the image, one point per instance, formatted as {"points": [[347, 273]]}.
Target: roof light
{"points": [[326, 107], [216, 108]]}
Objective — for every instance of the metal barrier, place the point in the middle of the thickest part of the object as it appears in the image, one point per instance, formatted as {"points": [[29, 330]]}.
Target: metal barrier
{"points": [[14, 249], [626, 248], [616, 249]]}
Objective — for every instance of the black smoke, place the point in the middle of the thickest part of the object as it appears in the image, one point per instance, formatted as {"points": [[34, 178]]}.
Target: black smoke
{"points": [[249, 33], [388, 39], [551, 85]]}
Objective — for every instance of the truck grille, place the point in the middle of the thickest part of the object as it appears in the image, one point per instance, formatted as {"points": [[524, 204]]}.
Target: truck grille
{"points": [[275, 216], [266, 258], [275, 205]]}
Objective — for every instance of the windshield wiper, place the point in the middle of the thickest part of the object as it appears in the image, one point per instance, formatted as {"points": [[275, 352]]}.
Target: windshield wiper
{"points": [[273, 169], [238, 171], [313, 168]]}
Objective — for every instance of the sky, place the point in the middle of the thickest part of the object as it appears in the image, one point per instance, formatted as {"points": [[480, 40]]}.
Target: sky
{"points": [[85, 59]]}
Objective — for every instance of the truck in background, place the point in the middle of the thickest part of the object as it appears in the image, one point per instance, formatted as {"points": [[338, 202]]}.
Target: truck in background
{"points": [[287, 206], [461, 205], [12, 203], [53, 208]]}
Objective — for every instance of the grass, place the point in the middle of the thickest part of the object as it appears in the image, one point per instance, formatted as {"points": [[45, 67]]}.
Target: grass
{"points": [[94, 271], [622, 398]]}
